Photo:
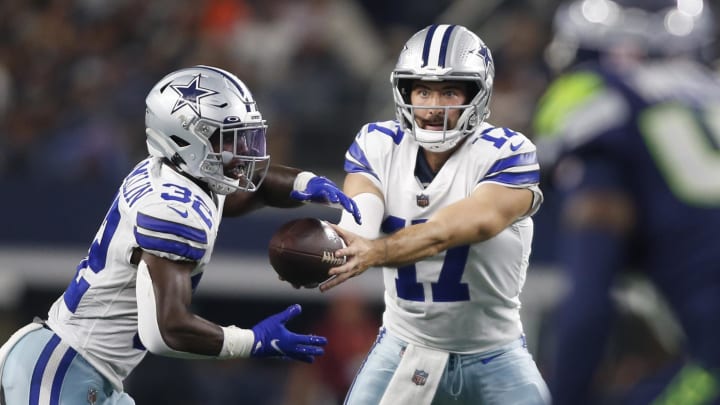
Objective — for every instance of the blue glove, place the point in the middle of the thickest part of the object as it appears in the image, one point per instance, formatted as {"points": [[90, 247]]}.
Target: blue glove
{"points": [[272, 339], [322, 190]]}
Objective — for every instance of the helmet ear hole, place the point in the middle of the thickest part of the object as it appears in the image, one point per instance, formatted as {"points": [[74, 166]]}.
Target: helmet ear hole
{"points": [[214, 139], [179, 141], [405, 88], [472, 89], [177, 160]]}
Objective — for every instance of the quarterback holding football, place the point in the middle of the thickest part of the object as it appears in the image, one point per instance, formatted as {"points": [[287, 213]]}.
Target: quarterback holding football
{"points": [[447, 200]]}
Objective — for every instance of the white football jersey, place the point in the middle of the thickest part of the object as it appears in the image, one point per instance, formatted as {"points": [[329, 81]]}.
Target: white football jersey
{"points": [[160, 211], [466, 299]]}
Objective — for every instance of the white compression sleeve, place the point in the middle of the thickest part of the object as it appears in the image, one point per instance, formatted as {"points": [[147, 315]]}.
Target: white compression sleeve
{"points": [[372, 210], [237, 341]]}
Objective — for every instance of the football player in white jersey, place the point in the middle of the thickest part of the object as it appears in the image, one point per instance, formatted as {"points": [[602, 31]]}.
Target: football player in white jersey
{"points": [[446, 199], [132, 292]]}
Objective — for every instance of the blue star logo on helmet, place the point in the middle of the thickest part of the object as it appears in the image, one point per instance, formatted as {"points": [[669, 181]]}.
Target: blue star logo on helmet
{"points": [[484, 53], [190, 95]]}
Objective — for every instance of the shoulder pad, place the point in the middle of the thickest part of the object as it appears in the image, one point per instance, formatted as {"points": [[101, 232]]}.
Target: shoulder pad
{"points": [[516, 163], [383, 130]]}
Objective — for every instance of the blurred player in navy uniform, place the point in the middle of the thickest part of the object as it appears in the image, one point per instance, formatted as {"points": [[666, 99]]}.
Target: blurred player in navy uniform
{"points": [[132, 293], [447, 199], [633, 133]]}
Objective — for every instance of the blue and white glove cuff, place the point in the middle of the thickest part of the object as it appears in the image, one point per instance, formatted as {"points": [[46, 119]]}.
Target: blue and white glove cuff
{"points": [[237, 342], [301, 181]]}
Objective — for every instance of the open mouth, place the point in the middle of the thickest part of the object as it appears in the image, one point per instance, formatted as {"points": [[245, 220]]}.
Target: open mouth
{"points": [[236, 172], [433, 125], [235, 168]]}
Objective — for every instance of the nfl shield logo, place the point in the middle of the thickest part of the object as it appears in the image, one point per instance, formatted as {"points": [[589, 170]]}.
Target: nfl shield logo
{"points": [[423, 200], [92, 396], [419, 377]]}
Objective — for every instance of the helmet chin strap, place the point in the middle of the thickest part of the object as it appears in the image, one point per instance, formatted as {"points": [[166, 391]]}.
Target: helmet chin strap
{"points": [[220, 188], [422, 136], [215, 184]]}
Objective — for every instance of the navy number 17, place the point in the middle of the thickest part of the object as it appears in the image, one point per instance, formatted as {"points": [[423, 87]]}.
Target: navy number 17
{"points": [[448, 288]]}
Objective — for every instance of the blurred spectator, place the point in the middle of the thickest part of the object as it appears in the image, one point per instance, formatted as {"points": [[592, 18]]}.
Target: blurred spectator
{"points": [[5, 84], [310, 59], [521, 36], [314, 62]]}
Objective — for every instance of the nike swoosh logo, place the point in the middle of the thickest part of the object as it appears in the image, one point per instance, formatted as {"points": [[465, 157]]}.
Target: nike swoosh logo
{"points": [[274, 344], [183, 213], [514, 147]]}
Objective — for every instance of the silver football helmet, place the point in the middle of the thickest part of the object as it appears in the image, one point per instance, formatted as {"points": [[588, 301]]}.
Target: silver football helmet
{"points": [[653, 27], [438, 53], [206, 122]]}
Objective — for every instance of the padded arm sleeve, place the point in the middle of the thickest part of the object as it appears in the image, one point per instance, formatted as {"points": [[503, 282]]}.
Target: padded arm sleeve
{"points": [[372, 210]]}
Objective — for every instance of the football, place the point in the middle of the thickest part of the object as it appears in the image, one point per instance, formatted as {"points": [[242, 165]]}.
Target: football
{"points": [[302, 251]]}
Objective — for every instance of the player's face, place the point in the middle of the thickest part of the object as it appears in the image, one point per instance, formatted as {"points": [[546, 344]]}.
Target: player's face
{"points": [[437, 94], [236, 143]]}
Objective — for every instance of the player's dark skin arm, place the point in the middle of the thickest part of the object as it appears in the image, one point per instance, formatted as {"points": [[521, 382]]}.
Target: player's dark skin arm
{"points": [[181, 329], [274, 192]]}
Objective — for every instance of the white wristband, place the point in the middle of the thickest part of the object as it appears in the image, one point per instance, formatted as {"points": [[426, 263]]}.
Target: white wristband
{"points": [[237, 342], [302, 179]]}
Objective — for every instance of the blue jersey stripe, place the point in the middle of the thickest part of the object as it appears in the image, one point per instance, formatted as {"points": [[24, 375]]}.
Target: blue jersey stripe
{"points": [[516, 179], [173, 228], [169, 246], [396, 136], [444, 45], [428, 41], [351, 167], [39, 369], [523, 159], [65, 362], [359, 155]]}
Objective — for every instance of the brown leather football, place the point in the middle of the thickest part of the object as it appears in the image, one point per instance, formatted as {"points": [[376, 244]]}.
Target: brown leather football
{"points": [[302, 251]]}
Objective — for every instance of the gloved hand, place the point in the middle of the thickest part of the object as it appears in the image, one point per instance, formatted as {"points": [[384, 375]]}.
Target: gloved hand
{"points": [[272, 339], [322, 190]]}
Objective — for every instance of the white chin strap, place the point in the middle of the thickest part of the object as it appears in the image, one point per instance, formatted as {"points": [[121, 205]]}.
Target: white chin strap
{"points": [[226, 156], [220, 187], [433, 140]]}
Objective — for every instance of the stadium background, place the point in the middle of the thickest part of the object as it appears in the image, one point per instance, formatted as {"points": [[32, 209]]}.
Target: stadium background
{"points": [[73, 77]]}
